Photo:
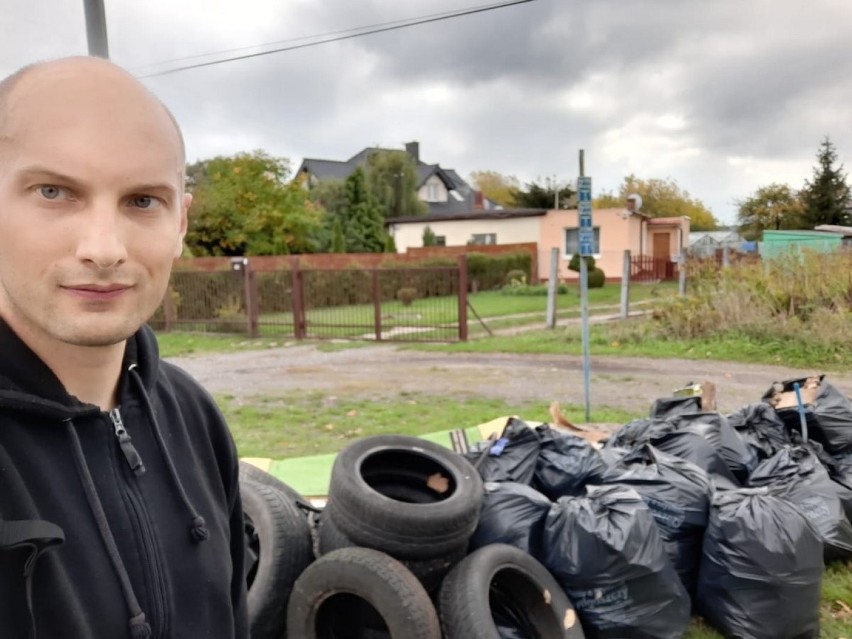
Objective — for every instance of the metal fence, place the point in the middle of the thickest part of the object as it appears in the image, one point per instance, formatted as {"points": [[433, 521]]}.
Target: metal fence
{"points": [[399, 304], [646, 268]]}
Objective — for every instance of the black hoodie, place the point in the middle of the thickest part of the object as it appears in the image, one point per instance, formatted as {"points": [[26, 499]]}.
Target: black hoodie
{"points": [[120, 524]]}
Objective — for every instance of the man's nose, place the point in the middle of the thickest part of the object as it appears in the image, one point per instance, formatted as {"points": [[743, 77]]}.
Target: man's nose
{"points": [[101, 242]]}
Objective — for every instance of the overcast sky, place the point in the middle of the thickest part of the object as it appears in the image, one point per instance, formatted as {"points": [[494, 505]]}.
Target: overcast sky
{"points": [[723, 96]]}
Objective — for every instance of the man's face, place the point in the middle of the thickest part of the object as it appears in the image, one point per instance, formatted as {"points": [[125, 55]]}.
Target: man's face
{"points": [[92, 209]]}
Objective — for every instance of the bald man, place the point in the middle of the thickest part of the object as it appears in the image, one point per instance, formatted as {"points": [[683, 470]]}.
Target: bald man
{"points": [[120, 513]]}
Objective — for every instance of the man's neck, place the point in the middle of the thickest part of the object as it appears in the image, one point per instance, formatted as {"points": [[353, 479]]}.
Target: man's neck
{"points": [[89, 373]]}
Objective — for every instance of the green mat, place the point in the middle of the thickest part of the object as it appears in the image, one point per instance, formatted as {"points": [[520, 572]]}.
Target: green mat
{"points": [[310, 476]]}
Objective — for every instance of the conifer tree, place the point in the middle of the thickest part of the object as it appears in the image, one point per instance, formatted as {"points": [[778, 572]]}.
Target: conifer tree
{"points": [[826, 196]]}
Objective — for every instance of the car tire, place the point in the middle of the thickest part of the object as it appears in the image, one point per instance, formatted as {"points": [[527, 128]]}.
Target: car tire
{"points": [[501, 584], [410, 497], [278, 550], [317, 607], [430, 572]]}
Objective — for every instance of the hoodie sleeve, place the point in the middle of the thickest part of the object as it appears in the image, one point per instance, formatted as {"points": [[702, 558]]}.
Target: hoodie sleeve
{"points": [[238, 551]]}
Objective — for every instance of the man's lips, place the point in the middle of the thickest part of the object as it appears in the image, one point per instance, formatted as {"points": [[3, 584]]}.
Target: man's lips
{"points": [[101, 292]]}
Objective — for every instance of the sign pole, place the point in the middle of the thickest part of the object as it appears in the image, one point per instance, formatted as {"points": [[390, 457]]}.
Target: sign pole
{"points": [[586, 237]]}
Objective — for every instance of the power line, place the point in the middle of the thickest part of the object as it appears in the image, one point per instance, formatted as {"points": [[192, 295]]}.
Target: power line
{"points": [[402, 21], [337, 36]]}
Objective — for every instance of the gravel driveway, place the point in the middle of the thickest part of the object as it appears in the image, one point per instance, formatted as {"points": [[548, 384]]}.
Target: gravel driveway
{"points": [[383, 370]]}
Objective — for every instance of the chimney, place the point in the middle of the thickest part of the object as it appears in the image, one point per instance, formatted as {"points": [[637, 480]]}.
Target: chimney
{"points": [[478, 203], [413, 149]]}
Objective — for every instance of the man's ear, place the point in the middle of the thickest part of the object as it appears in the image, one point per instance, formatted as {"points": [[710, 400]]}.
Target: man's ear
{"points": [[184, 220]]}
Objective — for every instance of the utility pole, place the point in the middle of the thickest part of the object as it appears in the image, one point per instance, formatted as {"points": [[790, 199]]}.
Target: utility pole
{"points": [[96, 30], [586, 240]]}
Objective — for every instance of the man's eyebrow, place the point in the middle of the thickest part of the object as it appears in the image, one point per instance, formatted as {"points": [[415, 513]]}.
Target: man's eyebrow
{"points": [[49, 175], [41, 172], [154, 187]]}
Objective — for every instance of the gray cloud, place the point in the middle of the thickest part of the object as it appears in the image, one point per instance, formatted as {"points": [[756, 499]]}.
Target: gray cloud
{"points": [[722, 96]]}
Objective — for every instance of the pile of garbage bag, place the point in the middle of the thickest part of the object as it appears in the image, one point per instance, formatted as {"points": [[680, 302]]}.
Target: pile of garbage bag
{"points": [[685, 512]]}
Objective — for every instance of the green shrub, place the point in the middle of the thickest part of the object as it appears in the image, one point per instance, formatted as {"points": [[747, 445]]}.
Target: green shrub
{"points": [[516, 277], [406, 295], [597, 278], [574, 264], [789, 299], [490, 271]]}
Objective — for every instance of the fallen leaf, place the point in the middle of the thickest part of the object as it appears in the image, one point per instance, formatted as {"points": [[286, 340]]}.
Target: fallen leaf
{"points": [[352, 413], [438, 483]]}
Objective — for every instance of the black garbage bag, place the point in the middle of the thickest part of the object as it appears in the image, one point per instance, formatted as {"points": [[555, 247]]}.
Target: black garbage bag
{"points": [[829, 418], [841, 470], [761, 568], [611, 455], [511, 458], [761, 429], [666, 407], [605, 550], [511, 514], [566, 463], [638, 432], [678, 494], [718, 432], [796, 475], [696, 449]]}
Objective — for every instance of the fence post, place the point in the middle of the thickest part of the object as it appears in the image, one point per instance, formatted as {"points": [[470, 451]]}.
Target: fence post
{"points": [[552, 287], [168, 309], [463, 298], [298, 307], [681, 274], [625, 285], [726, 257], [377, 305], [251, 300]]}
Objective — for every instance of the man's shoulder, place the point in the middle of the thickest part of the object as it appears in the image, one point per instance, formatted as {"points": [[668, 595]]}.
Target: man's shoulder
{"points": [[175, 381]]}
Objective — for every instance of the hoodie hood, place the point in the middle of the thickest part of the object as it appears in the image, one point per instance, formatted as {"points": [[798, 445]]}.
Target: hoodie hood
{"points": [[28, 385]]}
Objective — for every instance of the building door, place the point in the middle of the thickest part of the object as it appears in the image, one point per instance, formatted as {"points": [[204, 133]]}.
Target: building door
{"points": [[663, 267], [662, 245]]}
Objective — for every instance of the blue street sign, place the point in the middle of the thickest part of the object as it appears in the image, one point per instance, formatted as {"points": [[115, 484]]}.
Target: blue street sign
{"points": [[586, 237]]}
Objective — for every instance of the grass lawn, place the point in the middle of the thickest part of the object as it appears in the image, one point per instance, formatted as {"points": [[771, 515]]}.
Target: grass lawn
{"points": [[633, 338], [298, 424]]}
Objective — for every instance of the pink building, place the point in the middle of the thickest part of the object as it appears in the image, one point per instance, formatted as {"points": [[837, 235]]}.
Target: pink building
{"points": [[660, 240]]}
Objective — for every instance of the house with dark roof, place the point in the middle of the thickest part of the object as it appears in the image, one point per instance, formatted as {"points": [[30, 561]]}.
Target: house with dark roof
{"points": [[443, 190]]}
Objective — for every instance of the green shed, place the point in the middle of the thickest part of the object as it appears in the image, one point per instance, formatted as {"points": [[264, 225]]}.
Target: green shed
{"points": [[780, 242]]}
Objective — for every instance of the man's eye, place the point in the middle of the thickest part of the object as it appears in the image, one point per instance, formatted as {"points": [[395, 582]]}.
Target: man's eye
{"points": [[50, 192], [143, 201]]}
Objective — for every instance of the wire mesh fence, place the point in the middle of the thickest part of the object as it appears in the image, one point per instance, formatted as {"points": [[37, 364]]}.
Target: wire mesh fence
{"points": [[400, 304]]}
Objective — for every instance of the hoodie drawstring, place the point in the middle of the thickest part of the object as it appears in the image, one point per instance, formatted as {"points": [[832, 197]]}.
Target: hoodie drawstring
{"points": [[139, 628], [197, 527]]}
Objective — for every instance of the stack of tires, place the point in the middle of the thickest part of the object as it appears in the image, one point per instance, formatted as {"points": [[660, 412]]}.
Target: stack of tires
{"points": [[392, 561], [278, 548]]}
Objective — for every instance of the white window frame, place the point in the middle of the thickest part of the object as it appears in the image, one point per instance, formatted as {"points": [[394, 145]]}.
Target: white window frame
{"points": [[490, 239], [576, 230], [431, 192]]}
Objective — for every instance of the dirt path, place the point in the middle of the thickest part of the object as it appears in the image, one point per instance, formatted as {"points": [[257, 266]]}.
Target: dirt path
{"points": [[382, 370]]}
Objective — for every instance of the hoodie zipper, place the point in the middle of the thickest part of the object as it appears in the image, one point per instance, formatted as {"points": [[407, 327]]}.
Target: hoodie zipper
{"points": [[127, 447], [151, 559]]}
